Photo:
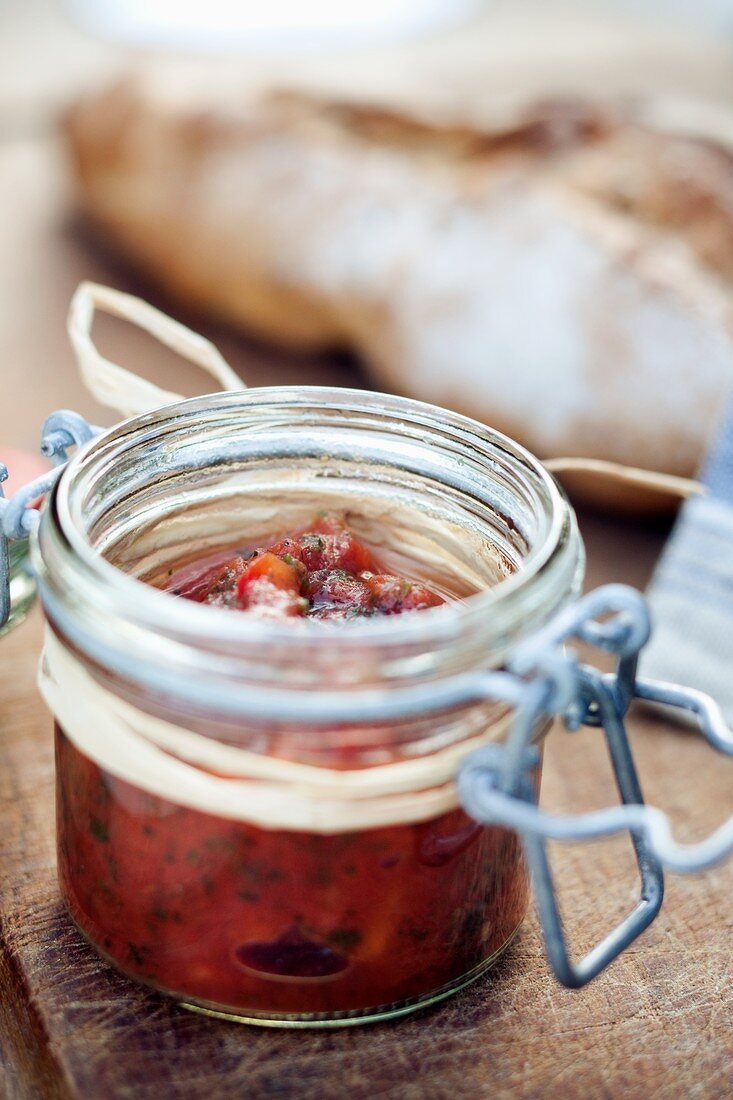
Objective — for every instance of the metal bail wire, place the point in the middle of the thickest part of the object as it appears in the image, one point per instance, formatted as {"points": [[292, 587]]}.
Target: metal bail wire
{"points": [[61, 430], [542, 678], [495, 787]]}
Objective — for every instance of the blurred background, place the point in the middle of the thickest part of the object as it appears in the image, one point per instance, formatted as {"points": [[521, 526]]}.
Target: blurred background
{"points": [[521, 210]]}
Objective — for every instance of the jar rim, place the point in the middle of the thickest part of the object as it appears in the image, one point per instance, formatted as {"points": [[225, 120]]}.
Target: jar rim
{"points": [[439, 625]]}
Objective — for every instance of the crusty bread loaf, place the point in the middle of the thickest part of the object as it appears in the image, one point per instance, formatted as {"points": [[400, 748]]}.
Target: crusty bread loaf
{"points": [[564, 275]]}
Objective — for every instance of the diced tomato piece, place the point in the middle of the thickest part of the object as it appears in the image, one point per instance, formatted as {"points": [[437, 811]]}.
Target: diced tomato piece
{"points": [[335, 594], [225, 580], [208, 583], [288, 548], [268, 601], [333, 550], [279, 573], [271, 587], [393, 595]]}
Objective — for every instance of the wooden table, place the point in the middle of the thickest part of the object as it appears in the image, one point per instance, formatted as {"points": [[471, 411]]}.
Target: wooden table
{"points": [[658, 1023]]}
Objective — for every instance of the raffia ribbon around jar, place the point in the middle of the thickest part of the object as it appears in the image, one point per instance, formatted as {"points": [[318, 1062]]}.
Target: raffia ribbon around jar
{"points": [[192, 770], [189, 769], [129, 394]]}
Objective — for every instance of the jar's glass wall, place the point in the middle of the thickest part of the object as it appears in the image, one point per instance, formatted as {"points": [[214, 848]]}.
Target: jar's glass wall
{"points": [[286, 924]]}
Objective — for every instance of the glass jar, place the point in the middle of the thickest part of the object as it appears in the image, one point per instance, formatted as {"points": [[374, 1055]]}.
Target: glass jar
{"points": [[14, 563], [22, 590], [259, 818]]}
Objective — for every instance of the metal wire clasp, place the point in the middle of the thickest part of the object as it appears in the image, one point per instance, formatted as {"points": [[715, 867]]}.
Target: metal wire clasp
{"points": [[18, 516], [494, 782]]}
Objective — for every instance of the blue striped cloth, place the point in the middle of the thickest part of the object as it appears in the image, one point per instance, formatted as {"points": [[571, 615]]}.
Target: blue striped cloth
{"points": [[691, 593]]}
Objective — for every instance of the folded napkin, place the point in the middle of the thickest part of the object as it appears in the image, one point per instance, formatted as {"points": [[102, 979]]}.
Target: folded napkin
{"points": [[691, 592]]}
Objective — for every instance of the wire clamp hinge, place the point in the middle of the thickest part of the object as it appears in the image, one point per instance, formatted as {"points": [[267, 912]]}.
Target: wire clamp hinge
{"points": [[19, 514], [495, 785]]}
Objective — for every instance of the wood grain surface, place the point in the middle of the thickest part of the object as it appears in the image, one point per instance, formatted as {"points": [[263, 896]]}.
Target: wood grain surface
{"points": [[657, 1024]]}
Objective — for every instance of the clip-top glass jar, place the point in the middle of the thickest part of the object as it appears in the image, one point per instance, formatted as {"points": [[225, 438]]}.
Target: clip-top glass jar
{"points": [[245, 820]]}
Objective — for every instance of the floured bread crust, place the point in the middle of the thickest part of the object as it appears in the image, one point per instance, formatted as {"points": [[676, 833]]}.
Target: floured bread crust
{"points": [[563, 275]]}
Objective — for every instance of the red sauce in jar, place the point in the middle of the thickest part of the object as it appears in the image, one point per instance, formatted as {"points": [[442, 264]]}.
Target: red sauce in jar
{"points": [[321, 572], [261, 921], [275, 922]]}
